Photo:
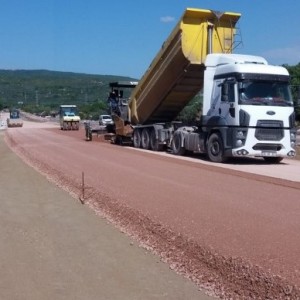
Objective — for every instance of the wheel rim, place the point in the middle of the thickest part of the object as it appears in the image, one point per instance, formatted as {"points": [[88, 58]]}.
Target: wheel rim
{"points": [[215, 148]]}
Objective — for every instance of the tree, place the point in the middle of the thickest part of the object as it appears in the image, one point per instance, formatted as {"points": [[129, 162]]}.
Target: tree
{"points": [[192, 112], [295, 86]]}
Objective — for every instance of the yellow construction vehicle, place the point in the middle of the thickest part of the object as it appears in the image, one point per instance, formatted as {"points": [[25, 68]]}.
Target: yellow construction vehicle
{"points": [[69, 117], [14, 119]]}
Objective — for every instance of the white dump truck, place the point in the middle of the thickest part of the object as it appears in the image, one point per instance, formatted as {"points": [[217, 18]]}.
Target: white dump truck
{"points": [[247, 108]]}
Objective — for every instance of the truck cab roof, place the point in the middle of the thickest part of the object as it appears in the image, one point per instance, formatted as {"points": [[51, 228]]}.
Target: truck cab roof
{"points": [[240, 63]]}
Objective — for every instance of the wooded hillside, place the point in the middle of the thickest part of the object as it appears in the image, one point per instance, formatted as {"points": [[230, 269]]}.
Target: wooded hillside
{"points": [[42, 90]]}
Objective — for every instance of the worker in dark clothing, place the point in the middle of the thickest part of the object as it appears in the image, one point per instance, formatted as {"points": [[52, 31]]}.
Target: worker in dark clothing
{"points": [[113, 103]]}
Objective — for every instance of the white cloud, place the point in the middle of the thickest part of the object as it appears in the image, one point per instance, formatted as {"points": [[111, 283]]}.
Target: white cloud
{"points": [[167, 19], [287, 55]]}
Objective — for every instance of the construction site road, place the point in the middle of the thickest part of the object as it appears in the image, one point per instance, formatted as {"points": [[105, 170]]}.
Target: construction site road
{"points": [[52, 247], [232, 229]]}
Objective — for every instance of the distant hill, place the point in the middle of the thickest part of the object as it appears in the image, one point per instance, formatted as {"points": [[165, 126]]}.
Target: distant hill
{"points": [[52, 88]]}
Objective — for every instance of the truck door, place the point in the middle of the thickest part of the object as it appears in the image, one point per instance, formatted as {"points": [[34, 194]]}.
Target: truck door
{"points": [[223, 103], [227, 109]]}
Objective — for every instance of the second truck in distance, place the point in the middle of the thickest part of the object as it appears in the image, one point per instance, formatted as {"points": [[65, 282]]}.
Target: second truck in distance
{"points": [[247, 108]]}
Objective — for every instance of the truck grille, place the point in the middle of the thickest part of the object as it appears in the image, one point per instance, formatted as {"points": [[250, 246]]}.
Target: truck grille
{"points": [[267, 147], [269, 130]]}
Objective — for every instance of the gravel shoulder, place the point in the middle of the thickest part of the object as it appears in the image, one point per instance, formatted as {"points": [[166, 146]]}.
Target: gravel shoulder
{"points": [[52, 247]]}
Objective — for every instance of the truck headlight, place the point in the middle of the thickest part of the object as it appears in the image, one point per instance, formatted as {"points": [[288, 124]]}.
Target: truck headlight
{"points": [[239, 143], [240, 137], [293, 136]]}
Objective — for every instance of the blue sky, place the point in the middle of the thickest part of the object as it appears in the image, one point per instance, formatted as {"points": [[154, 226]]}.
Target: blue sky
{"points": [[121, 37]]}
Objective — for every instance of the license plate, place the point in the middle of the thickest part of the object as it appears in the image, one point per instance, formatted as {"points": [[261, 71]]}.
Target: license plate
{"points": [[268, 153]]}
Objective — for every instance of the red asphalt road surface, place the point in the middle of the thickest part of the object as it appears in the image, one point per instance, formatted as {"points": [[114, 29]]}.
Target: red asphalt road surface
{"points": [[232, 232]]}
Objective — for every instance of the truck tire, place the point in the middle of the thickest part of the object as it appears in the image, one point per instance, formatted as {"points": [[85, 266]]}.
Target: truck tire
{"points": [[153, 141], [215, 148], [145, 139], [177, 148], [137, 139]]}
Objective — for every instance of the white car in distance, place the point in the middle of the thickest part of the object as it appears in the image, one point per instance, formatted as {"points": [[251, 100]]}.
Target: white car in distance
{"points": [[105, 120]]}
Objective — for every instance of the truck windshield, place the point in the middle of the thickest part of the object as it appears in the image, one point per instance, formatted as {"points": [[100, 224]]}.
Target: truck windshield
{"points": [[265, 93]]}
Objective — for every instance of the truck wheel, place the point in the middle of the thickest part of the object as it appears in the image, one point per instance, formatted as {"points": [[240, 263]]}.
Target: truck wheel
{"points": [[137, 140], [215, 148], [145, 139], [65, 126], [154, 144], [176, 145], [273, 160]]}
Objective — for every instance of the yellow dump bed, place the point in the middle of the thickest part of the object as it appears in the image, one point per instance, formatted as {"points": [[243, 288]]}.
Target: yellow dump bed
{"points": [[175, 75]]}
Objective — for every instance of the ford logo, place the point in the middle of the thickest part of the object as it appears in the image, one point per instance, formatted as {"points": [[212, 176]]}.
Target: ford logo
{"points": [[271, 113]]}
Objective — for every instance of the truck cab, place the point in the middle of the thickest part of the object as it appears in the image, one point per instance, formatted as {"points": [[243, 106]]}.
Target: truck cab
{"points": [[247, 109]]}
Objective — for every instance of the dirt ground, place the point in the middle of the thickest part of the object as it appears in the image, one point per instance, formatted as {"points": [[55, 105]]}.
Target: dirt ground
{"points": [[53, 247], [232, 229]]}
